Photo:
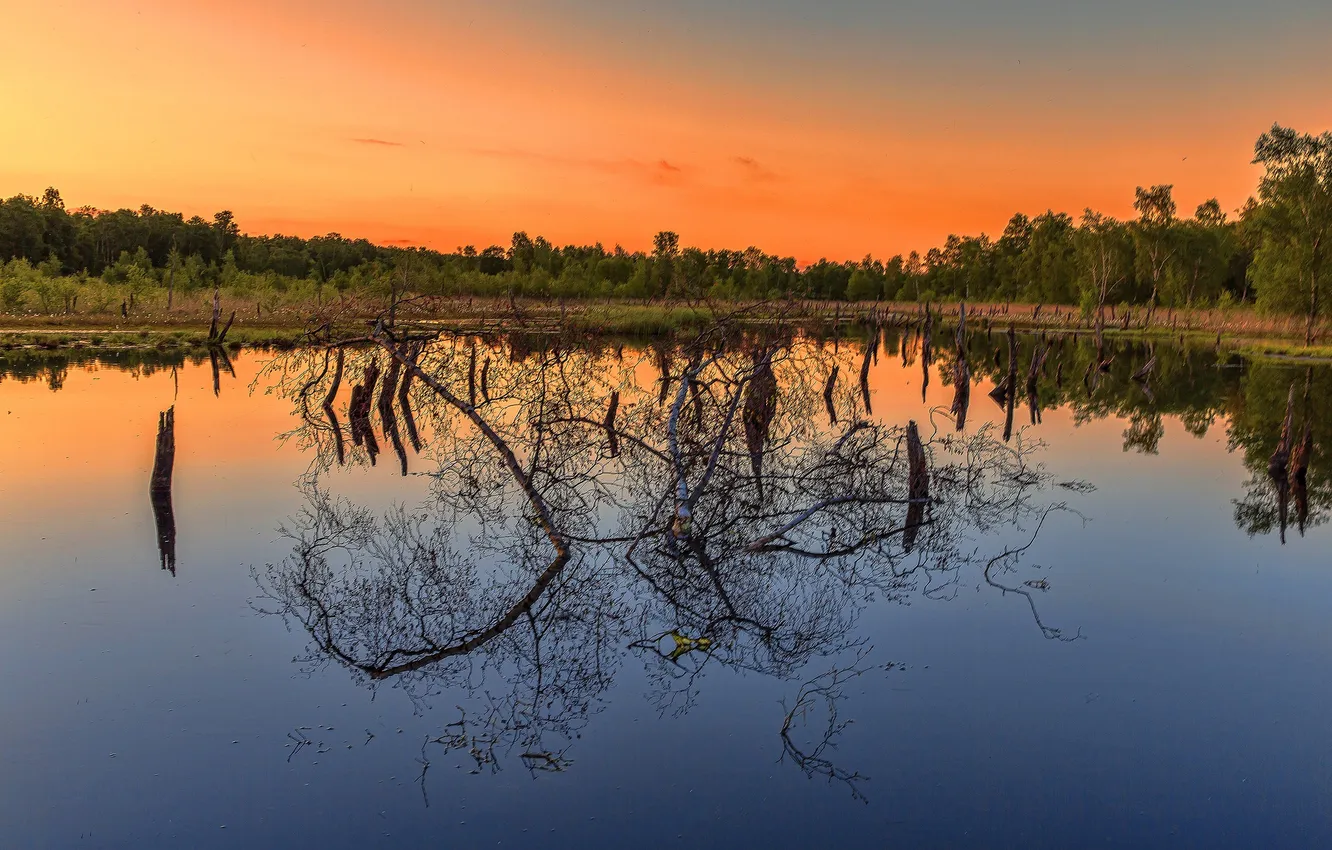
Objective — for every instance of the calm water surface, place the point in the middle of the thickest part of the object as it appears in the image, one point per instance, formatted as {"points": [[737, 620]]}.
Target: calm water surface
{"points": [[1103, 631]]}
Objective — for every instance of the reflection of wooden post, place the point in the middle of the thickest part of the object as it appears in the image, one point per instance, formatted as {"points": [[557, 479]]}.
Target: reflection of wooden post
{"points": [[1005, 394], [1037, 365], [471, 375], [871, 350], [362, 397], [217, 372], [663, 366], [328, 409], [159, 488], [961, 371], [164, 459], [918, 485], [1277, 464], [828, 395], [927, 335], [388, 419], [609, 424], [1300, 475], [218, 359], [337, 380], [760, 406], [1145, 372], [405, 399]]}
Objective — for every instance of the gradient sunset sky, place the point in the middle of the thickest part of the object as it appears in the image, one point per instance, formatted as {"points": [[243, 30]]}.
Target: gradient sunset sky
{"points": [[830, 128]]}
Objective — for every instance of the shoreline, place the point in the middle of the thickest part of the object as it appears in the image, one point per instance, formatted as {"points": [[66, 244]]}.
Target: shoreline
{"points": [[1241, 331]]}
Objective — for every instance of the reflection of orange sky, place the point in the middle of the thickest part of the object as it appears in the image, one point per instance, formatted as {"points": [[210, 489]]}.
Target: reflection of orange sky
{"points": [[280, 115], [103, 423], [89, 446]]}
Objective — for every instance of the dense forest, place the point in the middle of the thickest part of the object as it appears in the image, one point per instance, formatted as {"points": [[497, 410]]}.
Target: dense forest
{"points": [[1272, 253]]}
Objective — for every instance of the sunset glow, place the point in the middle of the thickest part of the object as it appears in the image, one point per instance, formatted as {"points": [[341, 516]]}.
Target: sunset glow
{"points": [[447, 124]]}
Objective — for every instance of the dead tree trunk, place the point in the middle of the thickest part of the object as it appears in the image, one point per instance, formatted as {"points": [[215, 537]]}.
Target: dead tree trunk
{"points": [[217, 312]]}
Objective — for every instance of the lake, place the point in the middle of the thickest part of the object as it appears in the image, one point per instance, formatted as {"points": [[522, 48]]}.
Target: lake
{"points": [[563, 593]]}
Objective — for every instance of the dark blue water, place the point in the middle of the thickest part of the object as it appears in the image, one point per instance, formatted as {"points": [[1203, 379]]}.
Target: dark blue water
{"points": [[1177, 699]]}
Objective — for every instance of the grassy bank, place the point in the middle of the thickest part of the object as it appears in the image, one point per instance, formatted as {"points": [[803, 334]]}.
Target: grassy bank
{"points": [[149, 325]]}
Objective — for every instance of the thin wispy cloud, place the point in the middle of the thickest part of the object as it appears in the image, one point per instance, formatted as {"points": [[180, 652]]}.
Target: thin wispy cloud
{"points": [[660, 172], [380, 142], [754, 170]]}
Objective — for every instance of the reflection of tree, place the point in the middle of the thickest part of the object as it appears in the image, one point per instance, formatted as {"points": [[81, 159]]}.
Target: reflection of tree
{"points": [[53, 366], [1144, 432], [686, 502], [1198, 385], [1279, 428]]}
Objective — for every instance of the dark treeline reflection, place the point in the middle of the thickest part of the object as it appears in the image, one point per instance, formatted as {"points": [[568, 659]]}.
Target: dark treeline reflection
{"points": [[53, 366], [1144, 383], [724, 503]]}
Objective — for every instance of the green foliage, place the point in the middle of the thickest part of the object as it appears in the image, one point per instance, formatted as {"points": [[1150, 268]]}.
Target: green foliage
{"points": [[1293, 223], [1104, 250], [1277, 249]]}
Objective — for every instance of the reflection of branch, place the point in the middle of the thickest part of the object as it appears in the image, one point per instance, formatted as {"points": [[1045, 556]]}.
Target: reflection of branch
{"points": [[825, 690], [765, 542], [762, 577], [1048, 631]]}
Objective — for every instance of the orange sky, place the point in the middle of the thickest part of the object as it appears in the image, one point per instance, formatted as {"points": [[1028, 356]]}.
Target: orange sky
{"points": [[734, 123]]}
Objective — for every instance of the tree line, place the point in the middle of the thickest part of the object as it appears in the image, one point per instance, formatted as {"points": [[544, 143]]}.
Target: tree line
{"points": [[1271, 252]]}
